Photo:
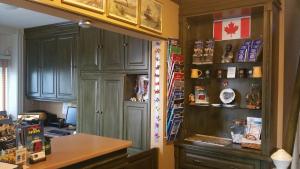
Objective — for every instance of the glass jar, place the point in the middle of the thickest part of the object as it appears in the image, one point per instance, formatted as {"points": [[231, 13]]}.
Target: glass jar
{"points": [[237, 131]]}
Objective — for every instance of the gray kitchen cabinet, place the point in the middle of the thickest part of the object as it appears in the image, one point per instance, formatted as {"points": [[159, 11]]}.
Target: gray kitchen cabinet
{"points": [[89, 103], [137, 124], [101, 104], [112, 95], [90, 49], [112, 51], [51, 53], [66, 67], [137, 54], [48, 70], [33, 68]]}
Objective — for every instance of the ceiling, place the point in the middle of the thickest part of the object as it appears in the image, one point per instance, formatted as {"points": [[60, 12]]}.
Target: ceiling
{"points": [[22, 18]]}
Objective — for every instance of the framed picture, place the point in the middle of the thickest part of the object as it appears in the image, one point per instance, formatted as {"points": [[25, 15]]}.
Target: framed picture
{"points": [[151, 15], [125, 10], [93, 5]]}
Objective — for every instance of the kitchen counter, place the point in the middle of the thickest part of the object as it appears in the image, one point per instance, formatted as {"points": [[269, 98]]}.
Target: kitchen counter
{"points": [[83, 150]]}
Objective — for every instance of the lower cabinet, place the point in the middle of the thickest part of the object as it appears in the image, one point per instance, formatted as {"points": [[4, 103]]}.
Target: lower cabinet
{"points": [[196, 159], [111, 106], [89, 102], [101, 104], [137, 125]]}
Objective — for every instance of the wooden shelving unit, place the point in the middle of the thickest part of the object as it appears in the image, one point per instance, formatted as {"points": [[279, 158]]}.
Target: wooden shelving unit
{"points": [[196, 22]]}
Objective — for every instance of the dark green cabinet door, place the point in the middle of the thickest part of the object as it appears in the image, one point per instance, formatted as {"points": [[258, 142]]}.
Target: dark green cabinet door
{"points": [[89, 55], [88, 118], [33, 68], [112, 51], [112, 88], [137, 54], [136, 126], [66, 67], [48, 72]]}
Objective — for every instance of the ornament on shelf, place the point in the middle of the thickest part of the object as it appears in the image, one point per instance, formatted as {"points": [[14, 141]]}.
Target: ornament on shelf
{"points": [[203, 52], [253, 97], [227, 56]]}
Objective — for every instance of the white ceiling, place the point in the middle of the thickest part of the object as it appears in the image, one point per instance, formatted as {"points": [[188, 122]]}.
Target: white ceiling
{"points": [[11, 16]]}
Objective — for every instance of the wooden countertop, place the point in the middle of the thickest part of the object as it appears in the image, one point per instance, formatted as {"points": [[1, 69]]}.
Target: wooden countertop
{"points": [[73, 149]]}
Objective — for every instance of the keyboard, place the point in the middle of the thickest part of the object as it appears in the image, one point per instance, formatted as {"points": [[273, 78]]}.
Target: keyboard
{"points": [[59, 132]]}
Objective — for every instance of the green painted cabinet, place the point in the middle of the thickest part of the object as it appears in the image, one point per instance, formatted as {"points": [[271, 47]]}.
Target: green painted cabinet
{"points": [[113, 46], [101, 104], [112, 96], [102, 50], [48, 70], [51, 67], [51, 53], [136, 125], [89, 104], [90, 49], [136, 54], [67, 66], [33, 65]]}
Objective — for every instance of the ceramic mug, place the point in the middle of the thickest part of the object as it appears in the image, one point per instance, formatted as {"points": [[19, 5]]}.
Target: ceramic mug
{"points": [[257, 72], [196, 73]]}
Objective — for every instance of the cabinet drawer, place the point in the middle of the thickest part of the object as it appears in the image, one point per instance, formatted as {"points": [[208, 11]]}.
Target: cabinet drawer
{"points": [[190, 160]]}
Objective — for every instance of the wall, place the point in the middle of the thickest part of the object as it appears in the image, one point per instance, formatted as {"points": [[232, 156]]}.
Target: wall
{"points": [[11, 39], [102, 20], [52, 107], [291, 55]]}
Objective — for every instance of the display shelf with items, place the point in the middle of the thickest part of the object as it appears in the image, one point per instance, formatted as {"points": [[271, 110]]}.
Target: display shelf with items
{"points": [[137, 88], [232, 83]]}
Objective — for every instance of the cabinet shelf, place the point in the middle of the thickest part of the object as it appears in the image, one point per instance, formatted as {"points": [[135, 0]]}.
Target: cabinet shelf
{"points": [[222, 107], [236, 64]]}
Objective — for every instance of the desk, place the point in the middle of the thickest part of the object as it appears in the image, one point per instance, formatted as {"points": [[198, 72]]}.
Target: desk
{"points": [[85, 151]]}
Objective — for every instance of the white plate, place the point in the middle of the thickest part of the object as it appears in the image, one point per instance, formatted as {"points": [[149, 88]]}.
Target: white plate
{"points": [[227, 96], [216, 105]]}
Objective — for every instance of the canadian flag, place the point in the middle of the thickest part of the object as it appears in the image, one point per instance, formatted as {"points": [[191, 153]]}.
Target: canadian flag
{"points": [[234, 28]]}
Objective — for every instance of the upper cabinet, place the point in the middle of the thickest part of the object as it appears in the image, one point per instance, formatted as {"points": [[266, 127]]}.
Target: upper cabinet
{"points": [[66, 66], [102, 50], [48, 56], [89, 49], [33, 68], [137, 54], [113, 46], [51, 62]]}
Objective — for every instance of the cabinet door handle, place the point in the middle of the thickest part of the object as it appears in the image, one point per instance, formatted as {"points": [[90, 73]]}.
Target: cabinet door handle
{"points": [[125, 44], [97, 112], [197, 161]]}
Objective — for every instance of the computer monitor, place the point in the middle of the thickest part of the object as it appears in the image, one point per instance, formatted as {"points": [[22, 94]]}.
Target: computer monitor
{"points": [[71, 116]]}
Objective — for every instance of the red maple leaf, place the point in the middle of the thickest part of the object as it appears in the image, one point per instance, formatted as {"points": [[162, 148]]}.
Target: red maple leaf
{"points": [[231, 28]]}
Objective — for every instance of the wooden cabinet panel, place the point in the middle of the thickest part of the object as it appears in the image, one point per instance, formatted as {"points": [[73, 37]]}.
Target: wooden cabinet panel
{"points": [[145, 160], [33, 68], [89, 101], [190, 158], [66, 67], [89, 57], [112, 51], [136, 125], [112, 95], [48, 72], [137, 54]]}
